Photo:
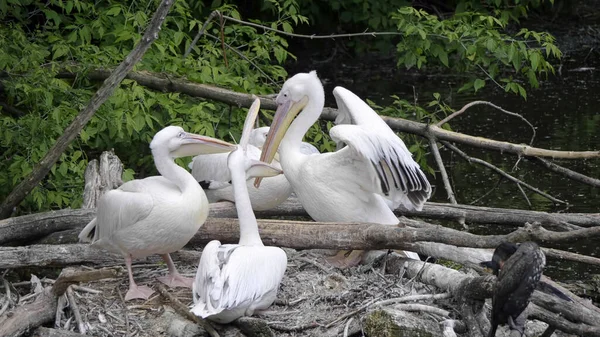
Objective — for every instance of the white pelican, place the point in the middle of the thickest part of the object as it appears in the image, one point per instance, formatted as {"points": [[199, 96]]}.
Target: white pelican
{"points": [[212, 173], [155, 215], [235, 280], [352, 184]]}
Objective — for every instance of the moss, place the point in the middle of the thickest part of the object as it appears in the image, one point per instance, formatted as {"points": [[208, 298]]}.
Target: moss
{"points": [[380, 323]]}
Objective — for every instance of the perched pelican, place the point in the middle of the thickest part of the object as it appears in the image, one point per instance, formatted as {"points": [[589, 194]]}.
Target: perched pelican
{"points": [[155, 215], [519, 269], [353, 183], [211, 171], [235, 280]]}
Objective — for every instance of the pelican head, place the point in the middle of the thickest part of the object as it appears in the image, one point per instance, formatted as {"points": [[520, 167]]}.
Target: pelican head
{"points": [[178, 143], [296, 93]]}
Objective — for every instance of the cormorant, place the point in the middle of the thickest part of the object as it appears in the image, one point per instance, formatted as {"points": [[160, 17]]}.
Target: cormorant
{"points": [[518, 269]]}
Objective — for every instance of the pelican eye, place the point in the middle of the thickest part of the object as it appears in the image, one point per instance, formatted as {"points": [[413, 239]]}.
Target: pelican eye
{"points": [[181, 134]]}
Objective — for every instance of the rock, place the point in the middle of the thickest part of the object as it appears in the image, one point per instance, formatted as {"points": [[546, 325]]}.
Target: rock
{"points": [[254, 327], [389, 322]]}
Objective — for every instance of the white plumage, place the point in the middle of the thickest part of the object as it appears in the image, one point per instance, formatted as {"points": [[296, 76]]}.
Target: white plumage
{"points": [[235, 280], [211, 171], [155, 215], [365, 180]]}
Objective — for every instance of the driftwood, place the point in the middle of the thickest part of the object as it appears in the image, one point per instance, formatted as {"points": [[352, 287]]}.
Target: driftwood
{"points": [[43, 309], [316, 235], [29, 227], [75, 254], [101, 177], [113, 79]]}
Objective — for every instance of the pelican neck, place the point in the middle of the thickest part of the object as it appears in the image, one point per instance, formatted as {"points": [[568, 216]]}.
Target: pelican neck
{"points": [[249, 235], [165, 164]]}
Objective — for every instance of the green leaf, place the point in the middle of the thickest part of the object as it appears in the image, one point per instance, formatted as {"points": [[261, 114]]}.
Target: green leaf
{"points": [[478, 84]]}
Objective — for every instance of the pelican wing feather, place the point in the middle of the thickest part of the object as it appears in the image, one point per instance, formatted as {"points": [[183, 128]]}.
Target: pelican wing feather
{"points": [[123, 207], [398, 177], [234, 280]]}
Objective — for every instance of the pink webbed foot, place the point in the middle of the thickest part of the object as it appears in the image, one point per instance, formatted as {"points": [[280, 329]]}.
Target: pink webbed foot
{"points": [[141, 292], [176, 280]]}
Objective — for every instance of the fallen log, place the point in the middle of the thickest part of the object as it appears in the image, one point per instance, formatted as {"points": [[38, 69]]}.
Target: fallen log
{"points": [[75, 254], [315, 235], [29, 227]]}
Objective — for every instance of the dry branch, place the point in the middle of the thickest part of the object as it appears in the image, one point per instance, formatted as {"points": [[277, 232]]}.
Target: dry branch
{"points": [[582, 178], [501, 172], [162, 83], [110, 84]]}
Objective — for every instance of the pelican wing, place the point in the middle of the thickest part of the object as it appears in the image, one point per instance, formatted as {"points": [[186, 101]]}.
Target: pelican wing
{"points": [[396, 175], [235, 277]]}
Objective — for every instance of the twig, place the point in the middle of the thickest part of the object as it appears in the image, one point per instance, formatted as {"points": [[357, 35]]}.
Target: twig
{"points": [[314, 263], [351, 313], [422, 307], [295, 328], [86, 289], [501, 172], [438, 159], [412, 298], [59, 310], [464, 108], [72, 131], [223, 39], [488, 192], [524, 195], [347, 327], [200, 32], [582, 178], [125, 312], [183, 310], [240, 54], [75, 310]]}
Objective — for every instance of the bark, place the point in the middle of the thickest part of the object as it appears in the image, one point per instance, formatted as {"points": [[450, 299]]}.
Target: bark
{"points": [[101, 177], [110, 84]]}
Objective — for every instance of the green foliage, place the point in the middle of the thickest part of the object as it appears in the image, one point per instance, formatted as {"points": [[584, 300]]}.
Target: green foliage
{"points": [[40, 41], [474, 43]]}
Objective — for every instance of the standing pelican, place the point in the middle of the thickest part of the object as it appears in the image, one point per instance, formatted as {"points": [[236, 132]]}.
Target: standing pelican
{"points": [[351, 184], [155, 215], [235, 280], [211, 171]]}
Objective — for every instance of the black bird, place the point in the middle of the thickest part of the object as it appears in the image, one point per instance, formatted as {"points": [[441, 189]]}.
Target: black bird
{"points": [[518, 269]]}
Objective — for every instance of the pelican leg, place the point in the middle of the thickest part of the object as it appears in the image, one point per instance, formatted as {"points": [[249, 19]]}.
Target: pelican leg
{"points": [[346, 258], [135, 291], [174, 279]]}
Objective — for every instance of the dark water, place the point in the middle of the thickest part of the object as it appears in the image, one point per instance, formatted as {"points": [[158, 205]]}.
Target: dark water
{"points": [[564, 111]]}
